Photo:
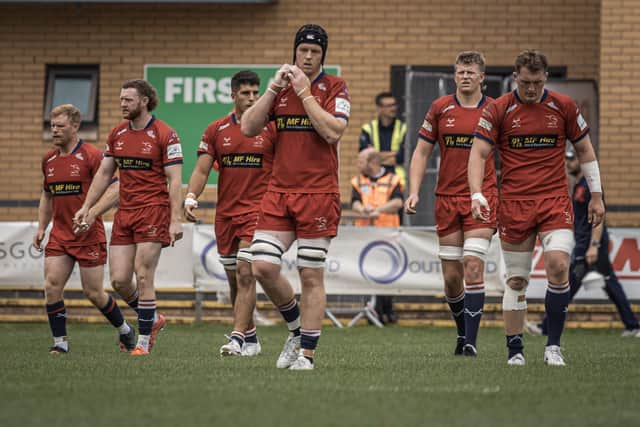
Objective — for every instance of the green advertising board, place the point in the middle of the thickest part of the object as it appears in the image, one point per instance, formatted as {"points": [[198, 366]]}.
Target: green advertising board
{"points": [[192, 96]]}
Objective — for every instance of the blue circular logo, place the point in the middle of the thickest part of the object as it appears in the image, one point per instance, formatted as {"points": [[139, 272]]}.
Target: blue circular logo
{"points": [[203, 260], [396, 255]]}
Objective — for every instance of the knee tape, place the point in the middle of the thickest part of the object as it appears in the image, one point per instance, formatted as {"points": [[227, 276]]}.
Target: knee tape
{"points": [[450, 253], [267, 248], [228, 262], [518, 264], [244, 254], [312, 253], [514, 300], [559, 240], [477, 247]]}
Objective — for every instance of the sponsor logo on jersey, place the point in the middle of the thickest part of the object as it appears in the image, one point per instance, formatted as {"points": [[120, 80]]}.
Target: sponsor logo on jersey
{"points": [[516, 123], [121, 131], [79, 156], [65, 188], [204, 146], [532, 141], [50, 171], [151, 133], [294, 123], [457, 141], [227, 141], [322, 86], [52, 158], [582, 124], [174, 151], [283, 102], [242, 160], [259, 141], [119, 145], [426, 125], [485, 124], [343, 106], [133, 163]]}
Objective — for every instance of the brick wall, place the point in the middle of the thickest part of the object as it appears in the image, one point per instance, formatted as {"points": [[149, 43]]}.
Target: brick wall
{"points": [[619, 96], [366, 37]]}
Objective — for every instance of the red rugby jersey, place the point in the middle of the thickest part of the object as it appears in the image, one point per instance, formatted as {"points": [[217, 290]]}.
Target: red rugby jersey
{"points": [[304, 162], [141, 156], [531, 139], [67, 178], [244, 162], [451, 125]]}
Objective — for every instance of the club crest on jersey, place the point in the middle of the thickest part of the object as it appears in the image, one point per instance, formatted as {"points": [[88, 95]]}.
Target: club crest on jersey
{"points": [[151, 133], [74, 169], [259, 141], [552, 120], [322, 87], [146, 147]]}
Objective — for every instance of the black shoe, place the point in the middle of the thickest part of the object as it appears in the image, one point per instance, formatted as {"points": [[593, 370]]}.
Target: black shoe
{"points": [[57, 350], [128, 341], [393, 317], [459, 346], [469, 350]]}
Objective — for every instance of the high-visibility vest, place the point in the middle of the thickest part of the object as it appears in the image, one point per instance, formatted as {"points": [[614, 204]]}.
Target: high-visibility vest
{"points": [[377, 193], [397, 137]]}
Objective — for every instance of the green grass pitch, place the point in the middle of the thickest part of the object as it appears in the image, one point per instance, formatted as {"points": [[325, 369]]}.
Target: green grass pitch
{"points": [[364, 376]]}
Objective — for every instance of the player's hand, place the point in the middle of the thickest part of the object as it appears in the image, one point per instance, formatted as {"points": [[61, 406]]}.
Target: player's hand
{"points": [[298, 79], [480, 207], [596, 210], [85, 225], [374, 214], [190, 205], [411, 203], [37, 239], [175, 231], [80, 224], [591, 256], [281, 78]]}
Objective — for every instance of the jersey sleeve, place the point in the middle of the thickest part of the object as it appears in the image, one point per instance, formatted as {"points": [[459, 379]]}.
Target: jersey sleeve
{"points": [[207, 144], [428, 132], [171, 149], [488, 125], [576, 126], [108, 149], [338, 103], [44, 176]]}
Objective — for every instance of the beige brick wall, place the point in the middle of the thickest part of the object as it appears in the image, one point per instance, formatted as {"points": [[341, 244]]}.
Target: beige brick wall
{"points": [[619, 97], [366, 38]]}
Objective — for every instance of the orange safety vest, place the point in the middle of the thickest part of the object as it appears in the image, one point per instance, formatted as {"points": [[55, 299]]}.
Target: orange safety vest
{"points": [[376, 194]]}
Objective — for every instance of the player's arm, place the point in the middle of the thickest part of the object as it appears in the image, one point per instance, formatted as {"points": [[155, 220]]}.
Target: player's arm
{"points": [[108, 200], [417, 168], [45, 212], [392, 206], [329, 127], [174, 176], [480, 152], [591, 171], [254, 119], [388, 158], [101, 181], [196, 186], [591, 256]]}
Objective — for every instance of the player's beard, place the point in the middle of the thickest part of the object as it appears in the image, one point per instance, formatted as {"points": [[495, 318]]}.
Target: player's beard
{"points": [[133, 114]]}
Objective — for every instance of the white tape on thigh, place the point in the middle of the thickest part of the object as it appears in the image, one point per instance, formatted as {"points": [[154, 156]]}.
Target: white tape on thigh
{"points": [[517, 264], [559, 240], [514, 300], [245, 255], [267, 248], [477, 247], [228, 262], [450, 253], [312, 253]]}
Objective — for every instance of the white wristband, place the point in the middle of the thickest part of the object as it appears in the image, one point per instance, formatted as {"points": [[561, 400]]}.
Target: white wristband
{"points": [[591, 172], [479, 197], [189, 201]]}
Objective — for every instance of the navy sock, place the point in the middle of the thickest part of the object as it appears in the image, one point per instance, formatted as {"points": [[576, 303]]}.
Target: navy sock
{"points": [[57, 314], [309, 341], [473, 305], [251, 335], [291, 314], [133, 301], [556, 303], [456, 304], [515, 345], [146, 311], [238, 337], [112, 312]]}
